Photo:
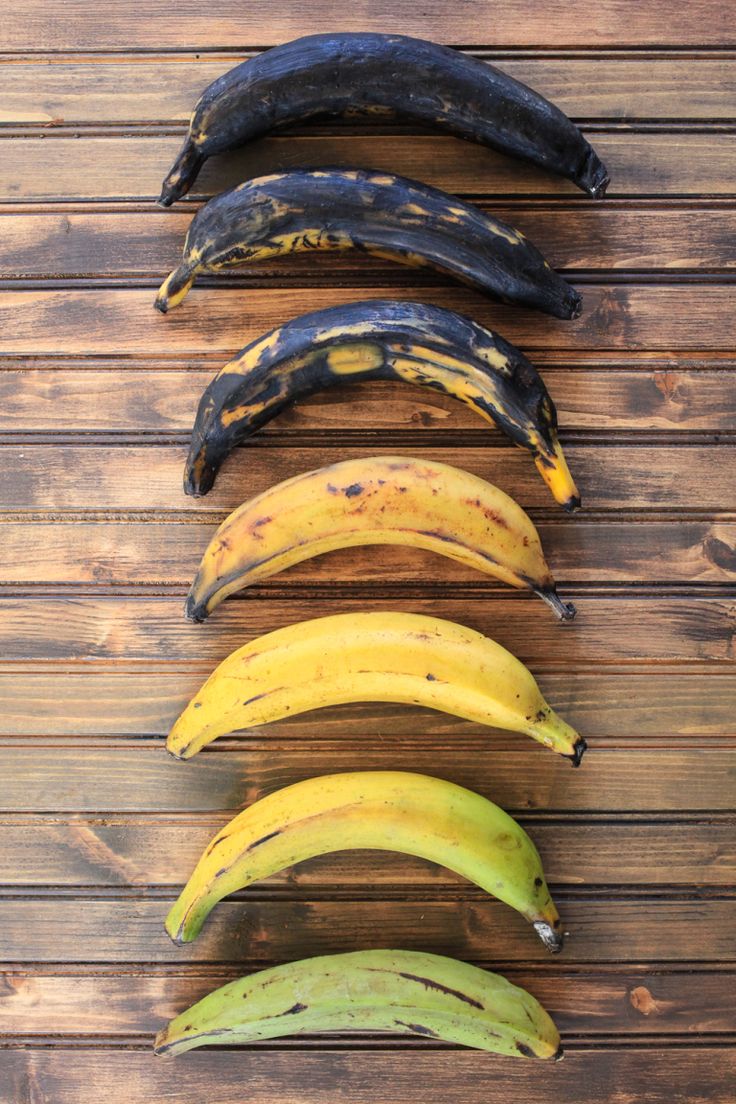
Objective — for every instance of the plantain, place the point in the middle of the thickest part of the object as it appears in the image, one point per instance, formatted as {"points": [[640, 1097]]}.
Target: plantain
{"points": [[404, 992], [376, 500], [388, 216], [386, 340], [383, 657], [382, 75], [379, 810]]}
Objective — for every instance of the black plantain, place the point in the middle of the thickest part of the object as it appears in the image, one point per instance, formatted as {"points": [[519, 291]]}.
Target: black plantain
{"points": [[380, 74], [382, 214], [386, 340]]}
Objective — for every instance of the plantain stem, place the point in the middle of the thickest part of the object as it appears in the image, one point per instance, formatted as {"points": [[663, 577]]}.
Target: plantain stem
{"points": [[565, 610]]}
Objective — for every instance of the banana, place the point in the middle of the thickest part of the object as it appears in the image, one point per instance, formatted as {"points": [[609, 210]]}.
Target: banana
{"points": [[338, 209], [376, 500], [404, 992], [378, 810], [382, 75], [387, 340], [383, 657]]}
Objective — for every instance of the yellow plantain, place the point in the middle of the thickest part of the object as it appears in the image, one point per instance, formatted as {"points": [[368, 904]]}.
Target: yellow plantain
{"points": [[376, 500], [379, 810], [383, 657]]}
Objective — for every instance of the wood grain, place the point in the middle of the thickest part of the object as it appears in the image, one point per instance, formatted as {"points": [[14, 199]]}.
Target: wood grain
{"points": [[132, 553], [643, 703], [73, 477], [131, 166], [84, 853], [528, 779], [123, 89], [262, 930], [608, 630], [57, 398], [703, 1074], [97, 395], [147, 243], [476, 23], [626, 1003], [217, 320]]}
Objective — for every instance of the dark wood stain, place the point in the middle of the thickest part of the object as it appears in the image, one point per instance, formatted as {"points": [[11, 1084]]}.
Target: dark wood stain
{"points": [[100, 827]]}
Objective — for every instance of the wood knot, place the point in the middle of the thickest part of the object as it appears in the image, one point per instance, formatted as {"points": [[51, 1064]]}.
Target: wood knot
{"points": [[643, 1001]]}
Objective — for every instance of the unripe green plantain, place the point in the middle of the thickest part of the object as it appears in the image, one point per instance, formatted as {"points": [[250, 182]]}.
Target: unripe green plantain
{"points": [[404, 992]]}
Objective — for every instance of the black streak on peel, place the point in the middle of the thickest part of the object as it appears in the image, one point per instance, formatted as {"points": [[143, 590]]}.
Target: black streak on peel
{"points": [[418, 1029], [263, 839], [295, 1008], [429, 983]]}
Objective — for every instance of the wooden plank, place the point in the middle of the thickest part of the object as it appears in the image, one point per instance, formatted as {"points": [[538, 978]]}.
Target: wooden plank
{"points": [[124, 89], [105, 702], [260, 930], [132, 166], [122, 399], [702, 1074], [625, 1003], [610, 477], [137, 244], [527, 779], [242, 23], [162, 553], [218, 320], [84, 853], [608, 630]]}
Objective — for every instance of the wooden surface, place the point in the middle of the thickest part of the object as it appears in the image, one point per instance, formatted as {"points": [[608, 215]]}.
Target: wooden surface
{"points": [[97, 393]]}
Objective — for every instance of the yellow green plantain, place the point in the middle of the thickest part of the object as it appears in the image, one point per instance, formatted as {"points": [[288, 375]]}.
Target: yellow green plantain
{"points": [[378, 340], [378, 810], [407, 658], [376, 500], [404, 992], [374, 212]]}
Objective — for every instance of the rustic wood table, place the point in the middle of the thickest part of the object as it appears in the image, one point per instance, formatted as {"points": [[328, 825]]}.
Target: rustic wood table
{"points": [[100, 827]]}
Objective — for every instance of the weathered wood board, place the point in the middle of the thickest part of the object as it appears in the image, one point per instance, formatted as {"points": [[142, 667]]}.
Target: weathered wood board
{"points": [[97, 394]]}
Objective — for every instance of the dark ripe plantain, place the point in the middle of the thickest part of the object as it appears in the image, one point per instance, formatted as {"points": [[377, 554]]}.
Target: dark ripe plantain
{"points": [[383, 75], [378, 340], [378, 213]]}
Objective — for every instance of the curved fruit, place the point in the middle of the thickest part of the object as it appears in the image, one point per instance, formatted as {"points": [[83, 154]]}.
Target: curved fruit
{"points": [[376, 500], [380, 74], [386, 340], [405, 992], [377, 213], [378, 810], [382, 657]]}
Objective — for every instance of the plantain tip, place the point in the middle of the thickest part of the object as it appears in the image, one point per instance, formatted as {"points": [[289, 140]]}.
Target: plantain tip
{"points": [[195, 611], [571, 504], [579, 749], [161, 1044], [559, 1054], [552, 939], [593, 177], [565, 610], [575, 305]]}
